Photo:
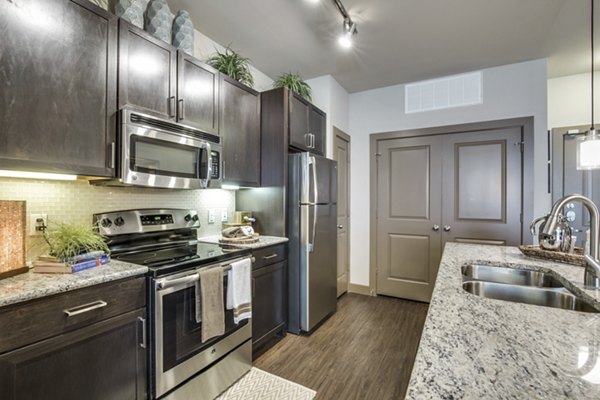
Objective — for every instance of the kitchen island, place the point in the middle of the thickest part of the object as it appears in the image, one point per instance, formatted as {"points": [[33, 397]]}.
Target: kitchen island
{"points": [[478, 348]]}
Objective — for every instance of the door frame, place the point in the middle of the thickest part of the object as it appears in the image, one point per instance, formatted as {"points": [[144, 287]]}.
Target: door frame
{"points": [[344, 136], [526, 126]]}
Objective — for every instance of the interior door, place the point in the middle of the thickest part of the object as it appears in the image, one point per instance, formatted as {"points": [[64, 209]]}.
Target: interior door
{"points": [[481, 187], [409, 173], [566, 179], [342, 157]]}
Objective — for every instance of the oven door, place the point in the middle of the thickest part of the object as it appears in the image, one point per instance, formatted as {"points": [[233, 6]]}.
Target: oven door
{"points": [[179, 353], [156, 158]]}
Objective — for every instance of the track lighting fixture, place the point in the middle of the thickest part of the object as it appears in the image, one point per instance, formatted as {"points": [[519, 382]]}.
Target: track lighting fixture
{"points": [[348, 26]]}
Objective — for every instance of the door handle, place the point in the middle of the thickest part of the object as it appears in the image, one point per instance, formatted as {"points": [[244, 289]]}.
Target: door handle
{"points": [[447, 228], [340, 226], [436, 228]]}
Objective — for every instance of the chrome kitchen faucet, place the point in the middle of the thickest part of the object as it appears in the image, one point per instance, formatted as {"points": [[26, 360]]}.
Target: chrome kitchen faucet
{"points": [[592, 267]]}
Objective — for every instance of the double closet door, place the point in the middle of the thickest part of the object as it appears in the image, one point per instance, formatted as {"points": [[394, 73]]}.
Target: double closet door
{"points": [[460, 187]]}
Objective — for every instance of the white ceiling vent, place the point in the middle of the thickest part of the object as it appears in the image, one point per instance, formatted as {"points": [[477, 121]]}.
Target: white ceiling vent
{"points": [[437, 94]]}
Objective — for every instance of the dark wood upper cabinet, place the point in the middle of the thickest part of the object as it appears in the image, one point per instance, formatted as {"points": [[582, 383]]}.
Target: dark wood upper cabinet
{"points": [[302, 122], [57, 86], [299, 128], [317, 127], [240, 128], [197, 94], [156, 78], [147, 72]]}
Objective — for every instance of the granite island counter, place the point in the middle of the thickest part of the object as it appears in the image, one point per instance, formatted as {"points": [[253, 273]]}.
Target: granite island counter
{"points": [[478, 348]]}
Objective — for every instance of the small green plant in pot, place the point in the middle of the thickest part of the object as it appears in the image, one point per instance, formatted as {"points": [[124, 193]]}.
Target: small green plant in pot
{"points": [[68, 240], [295, 83], [233, 64]]}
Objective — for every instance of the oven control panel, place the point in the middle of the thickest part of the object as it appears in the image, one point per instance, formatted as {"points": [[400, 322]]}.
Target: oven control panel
{"points": [[145, 220], [158, 219]]}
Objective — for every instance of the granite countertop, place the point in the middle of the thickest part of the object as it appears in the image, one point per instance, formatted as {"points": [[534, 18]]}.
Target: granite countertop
{"points": [[30, 285], [478, 348], [263, 241]]}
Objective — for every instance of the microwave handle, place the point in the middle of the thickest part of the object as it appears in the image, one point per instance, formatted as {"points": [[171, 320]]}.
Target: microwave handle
{"points": [[209, 161]]}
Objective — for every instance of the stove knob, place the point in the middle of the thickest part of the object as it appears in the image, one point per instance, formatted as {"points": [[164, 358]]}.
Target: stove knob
{"points": [[119, 221], [187, 218], [195, 217], [106, 223]]}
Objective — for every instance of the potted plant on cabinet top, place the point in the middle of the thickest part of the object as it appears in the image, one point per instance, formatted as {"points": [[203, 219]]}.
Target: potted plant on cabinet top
{"points": [[295, 83], [233, 64]]}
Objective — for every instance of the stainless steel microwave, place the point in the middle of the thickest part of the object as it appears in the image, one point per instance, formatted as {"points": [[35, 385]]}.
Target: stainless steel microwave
{"points": [[158, 153]]}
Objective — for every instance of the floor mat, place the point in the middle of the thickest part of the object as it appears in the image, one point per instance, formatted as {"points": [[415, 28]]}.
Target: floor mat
{"points": [[260, 385]]}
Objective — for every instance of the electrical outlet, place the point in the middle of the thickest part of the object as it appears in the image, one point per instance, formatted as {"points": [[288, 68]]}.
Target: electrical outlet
{"points": [[37, 224], [211, 216], [224, 216]]}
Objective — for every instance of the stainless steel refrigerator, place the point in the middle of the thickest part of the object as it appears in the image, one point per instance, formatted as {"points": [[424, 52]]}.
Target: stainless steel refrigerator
{"points": [[311, 221]]}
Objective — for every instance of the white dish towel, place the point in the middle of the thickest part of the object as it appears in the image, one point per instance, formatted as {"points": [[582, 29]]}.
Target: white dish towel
{"points": [[239, 291]]}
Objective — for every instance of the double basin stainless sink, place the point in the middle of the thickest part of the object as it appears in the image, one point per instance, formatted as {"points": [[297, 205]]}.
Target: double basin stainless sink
{"points": [[521, 286]]}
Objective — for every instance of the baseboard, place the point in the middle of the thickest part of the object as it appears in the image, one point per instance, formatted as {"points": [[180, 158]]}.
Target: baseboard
{"points": [[359, 289]]}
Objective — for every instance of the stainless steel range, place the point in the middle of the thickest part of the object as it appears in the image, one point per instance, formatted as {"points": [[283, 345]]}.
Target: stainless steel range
{"points": [[165, 240]]}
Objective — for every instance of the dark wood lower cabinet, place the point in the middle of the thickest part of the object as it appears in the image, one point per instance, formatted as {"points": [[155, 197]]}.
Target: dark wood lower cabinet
{"points": [[102, 361], [269, 306]]}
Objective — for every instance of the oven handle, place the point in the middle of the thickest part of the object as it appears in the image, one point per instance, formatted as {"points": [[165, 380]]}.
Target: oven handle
{"points": [[177, 281], [168, 283]]}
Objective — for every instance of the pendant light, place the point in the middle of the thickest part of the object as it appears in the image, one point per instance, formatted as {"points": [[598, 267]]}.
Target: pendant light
{"points": [[588, 146]]}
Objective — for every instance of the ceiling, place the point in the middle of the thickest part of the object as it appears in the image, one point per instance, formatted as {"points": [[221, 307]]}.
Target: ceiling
{"points": [[398, 41]]}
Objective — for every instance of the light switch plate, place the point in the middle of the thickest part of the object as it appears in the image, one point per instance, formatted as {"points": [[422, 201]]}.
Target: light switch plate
{"points": [[224, 216], [211, 216]]}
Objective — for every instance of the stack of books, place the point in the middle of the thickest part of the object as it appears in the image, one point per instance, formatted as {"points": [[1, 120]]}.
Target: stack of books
{"points": [[54, 265]]}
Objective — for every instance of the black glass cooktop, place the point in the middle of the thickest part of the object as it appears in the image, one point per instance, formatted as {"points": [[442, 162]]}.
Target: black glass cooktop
{"points": [[173, 259]]}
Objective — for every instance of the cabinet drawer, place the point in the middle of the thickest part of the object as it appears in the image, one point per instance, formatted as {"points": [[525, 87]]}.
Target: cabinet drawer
{"points": [[29, 322], [269, 255]]}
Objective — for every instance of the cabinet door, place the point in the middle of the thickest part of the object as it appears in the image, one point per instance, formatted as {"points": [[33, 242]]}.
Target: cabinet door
{"points": [[269, 302], [103, 361], [57, 86], [240, 128], [298, 121], [147, 72], [197, 94], [317, 127]]}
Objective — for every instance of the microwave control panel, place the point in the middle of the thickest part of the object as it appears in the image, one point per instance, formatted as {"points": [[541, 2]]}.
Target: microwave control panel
{"points": [[215, 165]]}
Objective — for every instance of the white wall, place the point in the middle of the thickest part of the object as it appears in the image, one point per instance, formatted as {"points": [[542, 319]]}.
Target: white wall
{"points": [[511, 91], [331, 97], [569, 101]]}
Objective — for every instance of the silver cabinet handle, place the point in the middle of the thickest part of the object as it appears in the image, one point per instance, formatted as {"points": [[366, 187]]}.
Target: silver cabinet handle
{"points": [[71, 312], [270, 256], [447, 228], [172, 111], [180, 110], [307, 140], [340, 226], [436, 228], [113, 154], [142, 322]]}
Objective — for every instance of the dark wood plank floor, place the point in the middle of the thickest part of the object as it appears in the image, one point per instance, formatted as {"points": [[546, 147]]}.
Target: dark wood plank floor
{"points": [[364, 351]]}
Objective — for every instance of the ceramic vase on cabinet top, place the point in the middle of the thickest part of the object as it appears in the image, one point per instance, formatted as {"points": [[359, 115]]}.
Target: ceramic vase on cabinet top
{"points": [[183, 32], [158, 20], [131, 11]]}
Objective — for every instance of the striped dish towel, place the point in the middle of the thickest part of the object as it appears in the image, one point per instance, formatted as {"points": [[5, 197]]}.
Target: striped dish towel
{"points": [[239, 292]]}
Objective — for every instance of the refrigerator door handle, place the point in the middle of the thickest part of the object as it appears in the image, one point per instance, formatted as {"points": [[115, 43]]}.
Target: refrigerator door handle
{"points": [[311, 244], [313, 162]]}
